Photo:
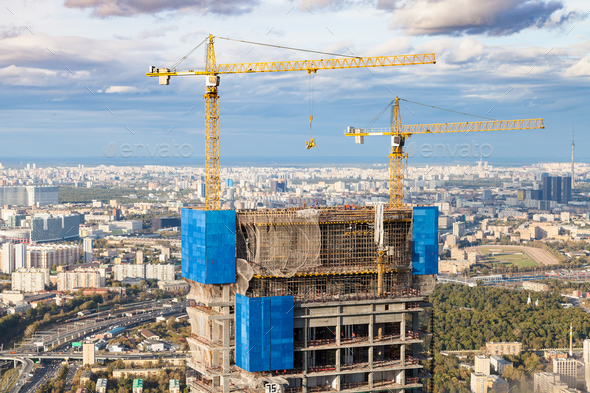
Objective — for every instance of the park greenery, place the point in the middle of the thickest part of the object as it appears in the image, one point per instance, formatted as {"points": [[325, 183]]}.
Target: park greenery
{"points": [[467, 318]]}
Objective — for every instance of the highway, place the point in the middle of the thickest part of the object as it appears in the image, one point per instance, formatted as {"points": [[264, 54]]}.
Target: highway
{"points": [[59, 337]]}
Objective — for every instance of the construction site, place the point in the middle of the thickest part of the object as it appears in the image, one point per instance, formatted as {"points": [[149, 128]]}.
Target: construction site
{"points": [[314, 299]]}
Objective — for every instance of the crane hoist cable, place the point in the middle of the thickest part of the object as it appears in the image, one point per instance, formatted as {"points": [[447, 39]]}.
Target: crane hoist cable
{"points": [[286, 47], [188, 54], [311, 143], [417, 103]]}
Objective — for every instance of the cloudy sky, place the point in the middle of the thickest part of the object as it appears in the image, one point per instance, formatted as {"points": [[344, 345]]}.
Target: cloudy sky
{"points": [[72, 75]]}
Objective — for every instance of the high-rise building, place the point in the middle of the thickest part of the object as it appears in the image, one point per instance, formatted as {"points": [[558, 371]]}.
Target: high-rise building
{"points": [[29, 196], [30, 279], [278, 186], [556, 189], [139, 257], [586, 359], [482, 364], [567, 370], [566, 190], [259, 279], [88, 354], [52, 254], [150, 271], [546, 188], [68, 281], [479, 383], [20, 256], [88, 250], [7, 258]]}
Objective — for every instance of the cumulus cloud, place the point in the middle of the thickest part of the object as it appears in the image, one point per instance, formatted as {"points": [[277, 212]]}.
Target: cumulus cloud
{"points": [[26, 76], [106, 8], [491, 17], [581, 68]]}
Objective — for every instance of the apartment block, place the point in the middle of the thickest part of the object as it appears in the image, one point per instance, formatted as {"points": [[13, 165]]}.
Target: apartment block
{"points": [[535, 286], [52, 254], [30, 279], [160, 272], [503, 348], [68, 281], [479, 383], [482, 365]]}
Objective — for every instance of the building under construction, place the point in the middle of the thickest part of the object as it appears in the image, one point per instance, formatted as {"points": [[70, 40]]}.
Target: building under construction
{"points": [[308, 300]]}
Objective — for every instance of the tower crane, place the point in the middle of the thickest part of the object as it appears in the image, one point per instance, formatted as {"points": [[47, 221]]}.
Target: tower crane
{"points": [[212, 74], [399, 133]]}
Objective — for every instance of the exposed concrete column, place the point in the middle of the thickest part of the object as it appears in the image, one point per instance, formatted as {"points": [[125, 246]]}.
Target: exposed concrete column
{"points": [[338, 356], [304, 382], [371, 377], [403, 327], [338, 382], [371, 327]]}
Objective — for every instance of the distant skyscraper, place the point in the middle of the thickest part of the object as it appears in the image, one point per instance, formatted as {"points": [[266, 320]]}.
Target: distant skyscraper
{"points": [[546, 188], [556, 189], [586, 358], [20, 256], [7, 258], [87, 250], [566, 189]]}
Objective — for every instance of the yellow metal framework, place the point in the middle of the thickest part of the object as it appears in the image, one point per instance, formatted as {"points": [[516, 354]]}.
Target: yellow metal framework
{"points": [[212, 70], [397, 158]]}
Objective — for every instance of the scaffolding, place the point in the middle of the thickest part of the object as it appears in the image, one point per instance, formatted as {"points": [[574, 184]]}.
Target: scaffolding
{"points": [[284, 243], [334, 287]]}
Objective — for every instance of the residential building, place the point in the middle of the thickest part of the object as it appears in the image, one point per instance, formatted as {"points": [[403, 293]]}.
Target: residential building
{"points": [[567, 370], [81, 278], [52, 254], [503, 348], [101, 385], [88, 250], [138, 386], [174, 286], [30, 280], [7, 258], [482, 365], [174, 386], [85, 376], [498, 364], [88, 354], [498, 384], [535, 286], [136, 372], [20, 256], [458, 229], [544, 381], [586, 359], [160, 272], [479, 383]]}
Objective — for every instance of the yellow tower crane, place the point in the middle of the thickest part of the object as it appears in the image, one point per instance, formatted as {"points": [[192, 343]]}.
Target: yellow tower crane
{"points": [[399, 133], [213, 70]]}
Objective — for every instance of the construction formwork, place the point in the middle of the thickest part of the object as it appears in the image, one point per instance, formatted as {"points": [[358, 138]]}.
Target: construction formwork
{"points": [[355, 305]]}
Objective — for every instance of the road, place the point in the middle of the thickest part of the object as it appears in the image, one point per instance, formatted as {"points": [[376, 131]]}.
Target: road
{"points": [[64, 335]]}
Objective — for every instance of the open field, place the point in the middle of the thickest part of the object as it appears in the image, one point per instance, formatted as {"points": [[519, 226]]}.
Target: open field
{"points": [[508, 260], [530, 256]]}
